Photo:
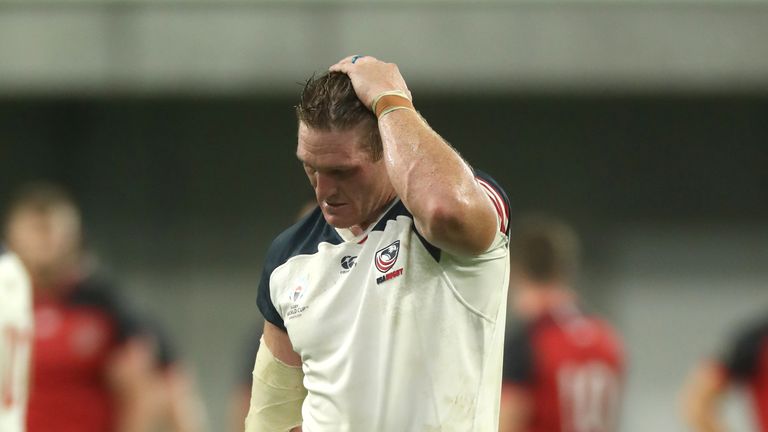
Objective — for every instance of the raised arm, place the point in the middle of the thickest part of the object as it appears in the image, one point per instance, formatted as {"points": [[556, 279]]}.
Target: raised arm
{"points": [[451, 210]]}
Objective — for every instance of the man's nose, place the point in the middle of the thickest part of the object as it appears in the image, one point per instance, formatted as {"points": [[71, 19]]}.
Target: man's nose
{"points": [[325, 186]]}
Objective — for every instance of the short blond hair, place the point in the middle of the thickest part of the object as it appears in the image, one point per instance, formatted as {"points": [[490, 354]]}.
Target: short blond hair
{"points": [[329, 102]]}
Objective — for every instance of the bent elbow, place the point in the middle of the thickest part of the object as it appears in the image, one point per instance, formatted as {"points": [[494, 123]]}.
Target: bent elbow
{"points": [[455, 228], [443, 217]]}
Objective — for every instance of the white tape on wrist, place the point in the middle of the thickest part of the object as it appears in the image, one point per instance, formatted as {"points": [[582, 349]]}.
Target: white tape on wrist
{"points": [[276, 396]]}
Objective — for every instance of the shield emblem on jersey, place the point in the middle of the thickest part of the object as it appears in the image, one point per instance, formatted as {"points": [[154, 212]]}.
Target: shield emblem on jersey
{"points": [[387, 256]]}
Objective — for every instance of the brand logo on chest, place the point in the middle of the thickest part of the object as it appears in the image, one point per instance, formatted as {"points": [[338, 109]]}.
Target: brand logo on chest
{"points": [[347, 263]]}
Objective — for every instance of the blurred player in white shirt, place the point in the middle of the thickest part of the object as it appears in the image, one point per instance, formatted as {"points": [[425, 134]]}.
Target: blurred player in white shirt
{"points": [[15, 336]]}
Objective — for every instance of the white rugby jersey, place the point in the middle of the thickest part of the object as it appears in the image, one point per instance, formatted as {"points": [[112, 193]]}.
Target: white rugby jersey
{"points": [[394, 334], [15, 337]]}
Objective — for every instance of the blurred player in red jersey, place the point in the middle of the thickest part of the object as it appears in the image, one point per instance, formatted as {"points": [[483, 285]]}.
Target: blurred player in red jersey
{"points": [[95, 368], [745, 363], [563, 370]]}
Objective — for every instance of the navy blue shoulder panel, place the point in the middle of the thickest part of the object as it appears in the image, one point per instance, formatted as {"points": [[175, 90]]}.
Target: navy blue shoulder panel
{"points": [[300, 239], [399, 209], [396, 210]]}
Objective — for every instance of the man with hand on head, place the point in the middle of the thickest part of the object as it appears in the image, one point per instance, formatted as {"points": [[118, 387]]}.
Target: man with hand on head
{"points": [[385, 306]]}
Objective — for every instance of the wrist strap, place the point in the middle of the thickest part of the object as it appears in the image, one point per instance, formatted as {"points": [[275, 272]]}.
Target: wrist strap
{"points": [[391, 98], [395, 108]]}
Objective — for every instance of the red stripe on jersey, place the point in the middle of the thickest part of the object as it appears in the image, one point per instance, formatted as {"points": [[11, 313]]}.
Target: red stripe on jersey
{"points": [[498, 202]]}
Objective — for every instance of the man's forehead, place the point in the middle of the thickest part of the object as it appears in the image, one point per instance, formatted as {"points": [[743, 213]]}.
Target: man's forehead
{"points": [[328, 164], [330, 147]]}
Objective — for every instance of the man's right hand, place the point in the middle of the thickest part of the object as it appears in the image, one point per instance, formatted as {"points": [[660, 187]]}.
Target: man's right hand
{"points": [[371, 77]]}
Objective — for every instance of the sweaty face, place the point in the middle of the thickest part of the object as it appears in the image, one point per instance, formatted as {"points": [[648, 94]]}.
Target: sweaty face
{"points": [[350, 188]]}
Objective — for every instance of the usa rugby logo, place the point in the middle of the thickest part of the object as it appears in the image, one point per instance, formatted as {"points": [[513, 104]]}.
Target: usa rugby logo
{"points": [[386, 257]]}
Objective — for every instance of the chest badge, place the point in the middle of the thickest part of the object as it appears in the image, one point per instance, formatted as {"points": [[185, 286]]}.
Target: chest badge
{"points": [[387, 257]]}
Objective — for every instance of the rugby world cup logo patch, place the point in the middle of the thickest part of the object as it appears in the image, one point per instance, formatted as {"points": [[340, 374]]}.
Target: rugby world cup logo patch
{"points": [[297, 294], [386, 257], [296, 308]]}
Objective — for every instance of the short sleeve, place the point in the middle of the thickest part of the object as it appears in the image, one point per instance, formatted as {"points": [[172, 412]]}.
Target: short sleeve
{"points": [[264, 297], [518, 357], [301, 238], [741, 361]]}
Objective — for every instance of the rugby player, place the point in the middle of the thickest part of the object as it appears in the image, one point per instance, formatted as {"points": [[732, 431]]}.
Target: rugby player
{"points": [[563, 369], [385, 306], [96, 367]]}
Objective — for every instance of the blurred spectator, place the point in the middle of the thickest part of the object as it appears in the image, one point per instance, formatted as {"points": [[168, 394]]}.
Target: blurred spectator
{"points": [[563, 369], [95, 367], [745, 363], [15, 338]]}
